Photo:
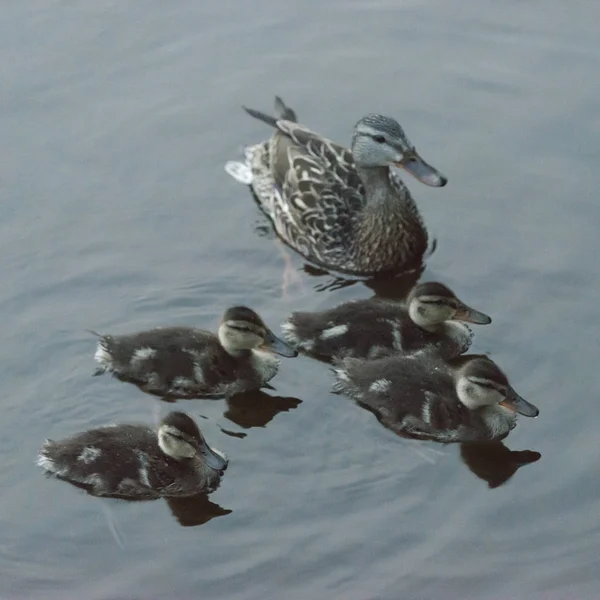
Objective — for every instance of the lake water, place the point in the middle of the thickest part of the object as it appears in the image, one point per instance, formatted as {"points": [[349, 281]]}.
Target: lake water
{"points": [[117, 118]]}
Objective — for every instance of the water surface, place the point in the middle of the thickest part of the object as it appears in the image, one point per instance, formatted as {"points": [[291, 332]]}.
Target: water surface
{"points": [[117, 118]]}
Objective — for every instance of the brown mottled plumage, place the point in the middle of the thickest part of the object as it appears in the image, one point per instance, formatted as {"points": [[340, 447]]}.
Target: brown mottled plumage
{"points": [[344, 210]]}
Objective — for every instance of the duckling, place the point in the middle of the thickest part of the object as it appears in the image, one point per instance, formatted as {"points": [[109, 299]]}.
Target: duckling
{"points": [[135, 462], [423, 396], [189, 363], [375, 327]]}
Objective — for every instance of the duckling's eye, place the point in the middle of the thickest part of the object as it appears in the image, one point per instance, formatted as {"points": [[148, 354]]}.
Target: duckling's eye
{"points": [[489, 386], [241, 328], [380, 139], [434, 302]]}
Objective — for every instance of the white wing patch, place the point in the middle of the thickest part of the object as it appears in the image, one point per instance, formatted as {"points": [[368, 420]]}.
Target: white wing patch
{"points": [[334, 331], [89, 454], [142, 354], [396, 337], [143, 458], [380, 386], [183, 382], [426, 411]]}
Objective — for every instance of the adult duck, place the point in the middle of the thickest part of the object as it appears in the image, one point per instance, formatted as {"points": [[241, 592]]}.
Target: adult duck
{"points": [[344, 210]]}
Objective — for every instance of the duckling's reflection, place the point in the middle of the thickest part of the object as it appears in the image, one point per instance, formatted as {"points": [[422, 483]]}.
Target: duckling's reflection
{"points": [[195, 510], [249, 409], [494, 462], [395, 287], [256, 408], [189, 511]]}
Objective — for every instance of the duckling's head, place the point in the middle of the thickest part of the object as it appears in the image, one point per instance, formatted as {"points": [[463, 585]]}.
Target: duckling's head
{"points": [[180, 438], [481, 383], [430, 304], [379, 141], [242, 329]]}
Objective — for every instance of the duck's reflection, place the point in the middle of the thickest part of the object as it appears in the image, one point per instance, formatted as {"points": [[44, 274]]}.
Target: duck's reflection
{"points": [[393, 287], [494, 462]]}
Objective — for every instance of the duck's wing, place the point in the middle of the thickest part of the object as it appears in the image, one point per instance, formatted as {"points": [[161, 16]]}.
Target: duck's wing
{"points": [[317, 190], [321, 193]]}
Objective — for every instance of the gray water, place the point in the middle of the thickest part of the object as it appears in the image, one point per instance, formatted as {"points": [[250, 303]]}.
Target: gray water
{"points": [[116, 120]]}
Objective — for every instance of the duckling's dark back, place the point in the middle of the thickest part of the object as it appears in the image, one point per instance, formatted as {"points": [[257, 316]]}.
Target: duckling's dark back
{"points": [[123, 460], [395, 385], [359, 328], [158, 358]]}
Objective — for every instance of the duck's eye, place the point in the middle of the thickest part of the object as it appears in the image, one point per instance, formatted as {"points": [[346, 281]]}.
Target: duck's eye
{"points": [[380, 139]]}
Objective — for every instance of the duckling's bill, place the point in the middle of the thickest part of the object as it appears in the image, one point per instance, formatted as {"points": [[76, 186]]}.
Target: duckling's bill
{"points": [[274, 344], [517, 404], [424, 172], [213, 458], [470, 315]]}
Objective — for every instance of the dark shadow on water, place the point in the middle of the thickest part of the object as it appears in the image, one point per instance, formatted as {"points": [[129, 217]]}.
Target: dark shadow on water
{"points": [[257, 409], [494, 462], [391, 287], [250, 409], [190, 511], [195, 510], [394, 287]]}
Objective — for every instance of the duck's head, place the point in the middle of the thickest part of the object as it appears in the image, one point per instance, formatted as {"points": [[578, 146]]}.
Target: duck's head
{"points": [[481, 383], [180, 438], [242, 329], [379, 141], [430, 304]]}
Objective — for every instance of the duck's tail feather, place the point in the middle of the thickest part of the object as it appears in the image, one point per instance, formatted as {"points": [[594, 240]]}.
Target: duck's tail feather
{"points": [[284, 112], [272, 121]]}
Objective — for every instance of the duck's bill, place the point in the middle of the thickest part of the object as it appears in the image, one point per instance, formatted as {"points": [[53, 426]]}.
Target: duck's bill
{"points": [[274, 344], [213, 459], [519, 405], [425, 173], [470, 315]]}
